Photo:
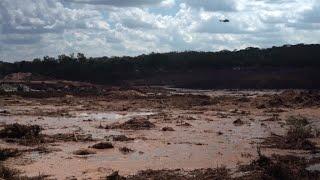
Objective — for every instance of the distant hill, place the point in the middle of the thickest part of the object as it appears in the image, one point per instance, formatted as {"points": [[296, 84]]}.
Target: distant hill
{"points": [[289, 66]]}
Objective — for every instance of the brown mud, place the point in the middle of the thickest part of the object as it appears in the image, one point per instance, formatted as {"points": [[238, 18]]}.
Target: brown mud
{"points": [[68, 131]]}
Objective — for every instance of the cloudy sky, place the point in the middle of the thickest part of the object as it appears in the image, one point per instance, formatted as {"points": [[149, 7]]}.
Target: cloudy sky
{"points": [[35, 28]]}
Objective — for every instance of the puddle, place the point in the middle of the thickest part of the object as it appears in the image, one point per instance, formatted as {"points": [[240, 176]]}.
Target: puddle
{"points": [[212, 93], [108, 115], [79, 122]]}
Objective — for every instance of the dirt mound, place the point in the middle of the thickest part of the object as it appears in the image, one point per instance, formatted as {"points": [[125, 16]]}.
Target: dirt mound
{"points": [[17, 76], [20, 76], [188, 101], [32, 86], [126, 94], [289, 98], [134, 124]]}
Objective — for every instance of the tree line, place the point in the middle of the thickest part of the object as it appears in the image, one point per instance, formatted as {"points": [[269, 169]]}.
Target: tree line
{"points": [[113, 69]]}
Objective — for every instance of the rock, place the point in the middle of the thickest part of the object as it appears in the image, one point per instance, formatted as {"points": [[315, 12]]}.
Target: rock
{"points": [[238, 122], [119, 138], [83, 152], [184, 124], [125, 150], [134, 124], [233, 110], [114, 176], [73, 137], [102, 145], [219, 133], [4, 112], [167, 129]]}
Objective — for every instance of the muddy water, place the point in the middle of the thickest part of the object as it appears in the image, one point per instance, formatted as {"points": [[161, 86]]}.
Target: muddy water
{"points": [[190, 147], [198, 146], [80, 122], [239, 93]]}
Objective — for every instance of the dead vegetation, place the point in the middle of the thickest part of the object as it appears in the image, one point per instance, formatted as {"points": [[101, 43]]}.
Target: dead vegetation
{"points": [[297, 121], [8, 153], [286, 167], [220, 173], [275, 117], [133, 124], [274, 110], [72, 137], [115, 176], [297, 137], [27, 135], [20, 131], [7, 173], [12, 174]]}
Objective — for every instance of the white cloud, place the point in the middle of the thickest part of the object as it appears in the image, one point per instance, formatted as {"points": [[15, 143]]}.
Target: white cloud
{"points": [[168, 3], [118, 3], [213, 5], [32, 28]]}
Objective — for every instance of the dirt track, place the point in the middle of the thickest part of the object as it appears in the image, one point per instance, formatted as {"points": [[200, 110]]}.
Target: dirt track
{"points": [[202, 129]]}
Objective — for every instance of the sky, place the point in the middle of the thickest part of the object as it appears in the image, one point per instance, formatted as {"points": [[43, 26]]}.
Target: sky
{"points": [[36, 28]]}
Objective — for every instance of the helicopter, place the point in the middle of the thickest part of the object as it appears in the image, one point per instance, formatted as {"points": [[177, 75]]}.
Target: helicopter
{"points": [[224, 20]]}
